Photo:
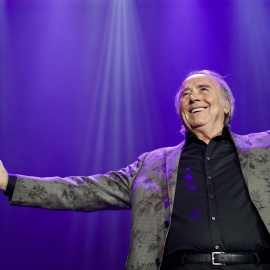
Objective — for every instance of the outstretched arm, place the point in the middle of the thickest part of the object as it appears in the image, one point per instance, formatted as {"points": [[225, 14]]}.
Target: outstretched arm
{"points": [[112, 190]]}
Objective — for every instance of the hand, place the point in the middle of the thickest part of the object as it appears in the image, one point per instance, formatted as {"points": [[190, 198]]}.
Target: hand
{"points": [[3, 177]]}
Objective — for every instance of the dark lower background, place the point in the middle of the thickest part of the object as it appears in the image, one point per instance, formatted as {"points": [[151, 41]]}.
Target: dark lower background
{"points": [[88, 85]]}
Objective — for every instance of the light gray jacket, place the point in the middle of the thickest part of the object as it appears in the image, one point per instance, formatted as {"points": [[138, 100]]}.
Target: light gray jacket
{"points": [[147, 187]]}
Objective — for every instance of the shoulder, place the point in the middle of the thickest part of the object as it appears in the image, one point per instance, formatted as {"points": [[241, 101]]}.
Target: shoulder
{"points": [[260, 136], [162, 155], [165, 151], [253, 140]]}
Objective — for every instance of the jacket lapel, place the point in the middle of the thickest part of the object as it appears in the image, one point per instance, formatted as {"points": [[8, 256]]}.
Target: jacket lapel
{"points": [[250, 153], [172, 163], [242, 149]]}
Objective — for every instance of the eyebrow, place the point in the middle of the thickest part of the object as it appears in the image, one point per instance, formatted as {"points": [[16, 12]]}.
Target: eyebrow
{"points": [[197, 86]]}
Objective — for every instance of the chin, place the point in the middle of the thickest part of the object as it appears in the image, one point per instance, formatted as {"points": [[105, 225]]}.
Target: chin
{"points": [[197, 125]]}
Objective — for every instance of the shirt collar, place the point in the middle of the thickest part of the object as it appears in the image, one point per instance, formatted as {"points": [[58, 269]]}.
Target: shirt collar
{"points": [[191, 137]]}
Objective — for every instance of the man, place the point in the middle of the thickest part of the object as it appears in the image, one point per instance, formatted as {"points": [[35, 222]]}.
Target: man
{"points": [[204, 204]]}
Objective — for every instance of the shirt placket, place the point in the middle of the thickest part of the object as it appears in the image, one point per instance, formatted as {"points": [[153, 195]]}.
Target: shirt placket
{"points": [[211, 198]]}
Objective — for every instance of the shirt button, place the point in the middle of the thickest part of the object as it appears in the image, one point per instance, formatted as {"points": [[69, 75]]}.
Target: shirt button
{"points": [[211, 196], [209, 177], [213, 218], [216, 247], [157, 262], [208, 158]]}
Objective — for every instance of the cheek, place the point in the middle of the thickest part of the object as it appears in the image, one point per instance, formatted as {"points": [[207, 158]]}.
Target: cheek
{"points": [[182, 107], [183, 113]]}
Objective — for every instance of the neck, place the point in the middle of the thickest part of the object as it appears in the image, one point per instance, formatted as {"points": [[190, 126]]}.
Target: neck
{"points": [[205, 134]]}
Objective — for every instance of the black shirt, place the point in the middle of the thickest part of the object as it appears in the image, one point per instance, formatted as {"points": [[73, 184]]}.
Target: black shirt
{"points": [[212, 209]]}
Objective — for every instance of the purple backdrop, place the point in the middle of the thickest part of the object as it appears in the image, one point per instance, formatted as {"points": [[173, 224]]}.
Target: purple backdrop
{"points": [[86, 86]]}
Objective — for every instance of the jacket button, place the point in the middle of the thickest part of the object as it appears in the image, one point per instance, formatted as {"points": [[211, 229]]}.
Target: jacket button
{"points": [[157, 262], [167, 224]]}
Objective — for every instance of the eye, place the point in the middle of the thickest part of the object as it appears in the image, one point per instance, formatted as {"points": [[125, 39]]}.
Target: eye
{"points": [[204, 89], [184, 94]]}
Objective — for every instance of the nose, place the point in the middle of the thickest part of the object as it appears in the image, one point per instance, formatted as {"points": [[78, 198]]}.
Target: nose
{"points": [[193, 98]]}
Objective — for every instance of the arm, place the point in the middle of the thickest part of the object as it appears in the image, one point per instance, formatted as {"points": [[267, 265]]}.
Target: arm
{"points": [[112, 190]]}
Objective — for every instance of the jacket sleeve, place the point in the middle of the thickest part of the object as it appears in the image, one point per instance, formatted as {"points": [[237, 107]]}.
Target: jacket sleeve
{"points": [[109, 191]]}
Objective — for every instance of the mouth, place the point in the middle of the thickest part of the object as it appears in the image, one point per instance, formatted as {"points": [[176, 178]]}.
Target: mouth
{"points": [[200, 109]]}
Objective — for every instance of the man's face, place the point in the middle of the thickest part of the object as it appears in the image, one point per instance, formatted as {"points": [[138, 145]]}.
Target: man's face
{"points": [[200, 104]]}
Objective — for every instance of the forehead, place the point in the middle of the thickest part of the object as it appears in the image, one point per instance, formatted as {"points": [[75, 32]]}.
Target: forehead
{"points": [[199, 79]]}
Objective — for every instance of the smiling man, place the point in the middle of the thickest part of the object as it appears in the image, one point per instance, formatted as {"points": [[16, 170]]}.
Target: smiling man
{"points": [[204, 204], [212, 204], [201, 107]]}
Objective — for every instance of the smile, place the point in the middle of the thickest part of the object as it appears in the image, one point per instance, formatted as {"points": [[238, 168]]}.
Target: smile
{"points": [[198, 110]]}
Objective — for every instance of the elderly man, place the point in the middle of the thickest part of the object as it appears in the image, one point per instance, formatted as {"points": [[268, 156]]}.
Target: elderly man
{"points": [[204, 204]]}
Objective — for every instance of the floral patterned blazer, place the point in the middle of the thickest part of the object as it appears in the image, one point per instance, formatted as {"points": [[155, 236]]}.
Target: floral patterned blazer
{"points": [[146, 187]]}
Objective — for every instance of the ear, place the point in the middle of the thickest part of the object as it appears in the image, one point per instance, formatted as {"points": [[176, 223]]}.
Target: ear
{"points": [[227, 106]]}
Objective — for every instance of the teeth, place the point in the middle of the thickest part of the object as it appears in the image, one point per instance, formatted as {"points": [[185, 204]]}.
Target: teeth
{"points": [[197, 110]]}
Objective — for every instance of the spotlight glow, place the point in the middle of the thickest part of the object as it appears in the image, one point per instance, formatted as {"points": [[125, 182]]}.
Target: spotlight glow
{"points": [[121, 89]]}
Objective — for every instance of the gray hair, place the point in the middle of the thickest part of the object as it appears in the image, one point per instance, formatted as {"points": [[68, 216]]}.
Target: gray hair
{"points": [[225, 92]]}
